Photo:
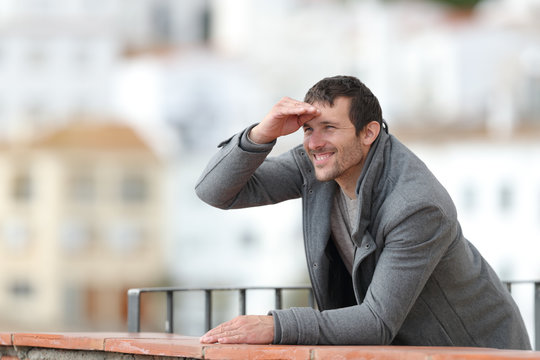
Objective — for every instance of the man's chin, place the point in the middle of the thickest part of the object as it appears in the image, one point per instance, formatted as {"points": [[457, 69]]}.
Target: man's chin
{"points": [[323, 176]]}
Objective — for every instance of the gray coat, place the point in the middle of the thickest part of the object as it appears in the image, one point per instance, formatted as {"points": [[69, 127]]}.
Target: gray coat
{"points": [[415, 280]]}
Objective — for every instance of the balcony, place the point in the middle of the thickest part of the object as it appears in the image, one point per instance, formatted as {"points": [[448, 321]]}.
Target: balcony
{"points": [[168, 345], [154, 346]]}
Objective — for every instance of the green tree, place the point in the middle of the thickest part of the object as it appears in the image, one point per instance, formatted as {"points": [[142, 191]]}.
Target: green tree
{"points": [[462, 4], [457, 4]]}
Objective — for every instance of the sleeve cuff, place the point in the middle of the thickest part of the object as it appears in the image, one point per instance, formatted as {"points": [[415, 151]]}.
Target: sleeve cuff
{"points": [[247, 145], [295, 326]]}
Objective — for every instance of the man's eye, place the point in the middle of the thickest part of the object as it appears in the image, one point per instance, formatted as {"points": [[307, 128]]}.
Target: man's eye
{"points": [[307, 129]]}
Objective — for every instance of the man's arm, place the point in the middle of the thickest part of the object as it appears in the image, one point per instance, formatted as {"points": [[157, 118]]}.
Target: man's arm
{"points": [[240, 175], [414, 247]]}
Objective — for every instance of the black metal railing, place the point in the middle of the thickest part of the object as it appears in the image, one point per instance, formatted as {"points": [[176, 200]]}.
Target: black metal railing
{"points": [[134, 302]]}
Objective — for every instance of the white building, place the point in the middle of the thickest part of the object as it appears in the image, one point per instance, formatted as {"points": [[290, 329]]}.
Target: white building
{"points": [[191, 73]]}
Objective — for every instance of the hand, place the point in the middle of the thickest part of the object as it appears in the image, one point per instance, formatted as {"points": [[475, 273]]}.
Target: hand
{"points": [[285, 117], [245, 329]]}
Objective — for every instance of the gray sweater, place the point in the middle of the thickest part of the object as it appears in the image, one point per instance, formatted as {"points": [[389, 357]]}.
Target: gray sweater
{"points": [[415, 279]]}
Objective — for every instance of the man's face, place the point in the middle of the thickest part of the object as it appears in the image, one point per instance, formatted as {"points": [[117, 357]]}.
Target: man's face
{"points": [[333, 147]]}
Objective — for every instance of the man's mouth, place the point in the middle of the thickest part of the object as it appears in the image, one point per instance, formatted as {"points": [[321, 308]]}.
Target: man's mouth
{"points": [[321, 157]]}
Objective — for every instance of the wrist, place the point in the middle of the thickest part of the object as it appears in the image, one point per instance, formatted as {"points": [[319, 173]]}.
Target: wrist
{"points": [[255, 137]]}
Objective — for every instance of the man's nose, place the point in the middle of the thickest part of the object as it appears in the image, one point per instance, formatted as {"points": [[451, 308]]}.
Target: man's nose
{"points": [[316, 140]]}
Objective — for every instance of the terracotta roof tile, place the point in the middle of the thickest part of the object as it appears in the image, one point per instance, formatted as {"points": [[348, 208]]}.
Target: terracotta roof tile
{"points": [[93, 136]]}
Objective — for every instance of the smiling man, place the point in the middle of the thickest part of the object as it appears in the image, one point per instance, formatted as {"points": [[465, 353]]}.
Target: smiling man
{"points": [[386, 256]]}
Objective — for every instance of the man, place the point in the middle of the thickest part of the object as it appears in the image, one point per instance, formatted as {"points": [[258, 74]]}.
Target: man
{"points": [[387, 259]]}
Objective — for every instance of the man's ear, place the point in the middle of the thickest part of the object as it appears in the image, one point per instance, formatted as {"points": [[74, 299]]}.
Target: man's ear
{"points": [[370, 132]]}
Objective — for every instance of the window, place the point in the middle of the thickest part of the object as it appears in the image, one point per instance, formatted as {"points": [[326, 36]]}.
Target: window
{"points": [[16, 235], [73, 304], [35, 111], [206, 24], [75, 236], [532, 104], [125, 237], [134, 188], [469, 197], [506, 197], [22, 188], [21, 288], [161, 22], [36, 57], [81, 188]]}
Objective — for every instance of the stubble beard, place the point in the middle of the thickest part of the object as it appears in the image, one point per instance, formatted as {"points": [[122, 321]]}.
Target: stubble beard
{"points": [[338, 167]]}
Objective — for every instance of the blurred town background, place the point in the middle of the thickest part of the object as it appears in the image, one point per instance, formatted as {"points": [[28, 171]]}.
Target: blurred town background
{"points": [[110, 109]]}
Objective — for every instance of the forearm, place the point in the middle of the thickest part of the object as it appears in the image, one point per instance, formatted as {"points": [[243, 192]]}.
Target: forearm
{"points": [[240, 175], [229, 170], [355, 325]]}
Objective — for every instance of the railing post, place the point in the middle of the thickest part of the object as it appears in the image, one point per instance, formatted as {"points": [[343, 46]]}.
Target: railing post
{"points": [[278, 299], [537, 315], [311, 298], [242, 301], [170, 316], [208, 309], [134, 307]]}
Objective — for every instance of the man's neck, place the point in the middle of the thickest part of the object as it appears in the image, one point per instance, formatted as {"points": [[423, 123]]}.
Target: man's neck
{"points": [[348, 181], [348, 187]]}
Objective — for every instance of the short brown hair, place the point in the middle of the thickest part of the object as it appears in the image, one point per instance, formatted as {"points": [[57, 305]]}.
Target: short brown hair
{"points": [[364, 105]]}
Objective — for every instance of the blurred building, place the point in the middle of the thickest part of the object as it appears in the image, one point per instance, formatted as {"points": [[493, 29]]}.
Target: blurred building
{"points": [[496, 189], [59, 59], [81, 214], [189, 73]]}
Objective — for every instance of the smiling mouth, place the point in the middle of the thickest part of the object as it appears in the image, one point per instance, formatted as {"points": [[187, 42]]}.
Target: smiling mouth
{"points": [[319, 158]]}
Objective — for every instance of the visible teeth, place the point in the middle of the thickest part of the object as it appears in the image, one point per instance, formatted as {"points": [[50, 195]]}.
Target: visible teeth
{"points": [[321, 156]]}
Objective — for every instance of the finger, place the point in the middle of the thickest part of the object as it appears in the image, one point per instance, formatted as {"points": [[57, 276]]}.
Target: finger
{"points": [[304, 118], [232, 339], [292, 102], [206, 339], [212, 335], [289, 106], [299, 112], [214, 338]]}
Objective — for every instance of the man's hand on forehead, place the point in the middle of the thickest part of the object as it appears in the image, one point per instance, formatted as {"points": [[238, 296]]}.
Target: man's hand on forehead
{"points": [[285, 117]]}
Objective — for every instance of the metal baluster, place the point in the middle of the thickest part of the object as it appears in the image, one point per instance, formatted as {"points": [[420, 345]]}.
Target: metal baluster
{"points": [[242, 301], [537, 315], [134, 309], [278, 298], [169, 320], [208, 310]]}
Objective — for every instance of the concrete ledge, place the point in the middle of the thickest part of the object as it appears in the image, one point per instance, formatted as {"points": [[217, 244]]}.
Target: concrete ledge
{"points": [[157, 346]]}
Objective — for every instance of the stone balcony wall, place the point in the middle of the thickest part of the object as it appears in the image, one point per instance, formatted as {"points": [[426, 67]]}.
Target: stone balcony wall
{"points": [[161, 346]]}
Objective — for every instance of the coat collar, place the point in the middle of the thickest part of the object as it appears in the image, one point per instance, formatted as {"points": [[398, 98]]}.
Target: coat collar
{"points": [[369, 181]]}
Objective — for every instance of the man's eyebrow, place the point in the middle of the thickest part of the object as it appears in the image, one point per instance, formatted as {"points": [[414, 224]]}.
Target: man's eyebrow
{"points": [[322, 122]]}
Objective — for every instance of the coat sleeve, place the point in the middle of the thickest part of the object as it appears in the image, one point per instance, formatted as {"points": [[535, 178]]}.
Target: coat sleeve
{"points": [[242, 175], [414, 246]]}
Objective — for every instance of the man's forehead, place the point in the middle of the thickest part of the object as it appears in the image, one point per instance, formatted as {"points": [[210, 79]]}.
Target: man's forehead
{"points": [[336, 114], [337, 101]]}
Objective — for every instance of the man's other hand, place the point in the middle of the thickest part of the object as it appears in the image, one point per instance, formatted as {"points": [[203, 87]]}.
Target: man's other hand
{"points": [[245, 329]]}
